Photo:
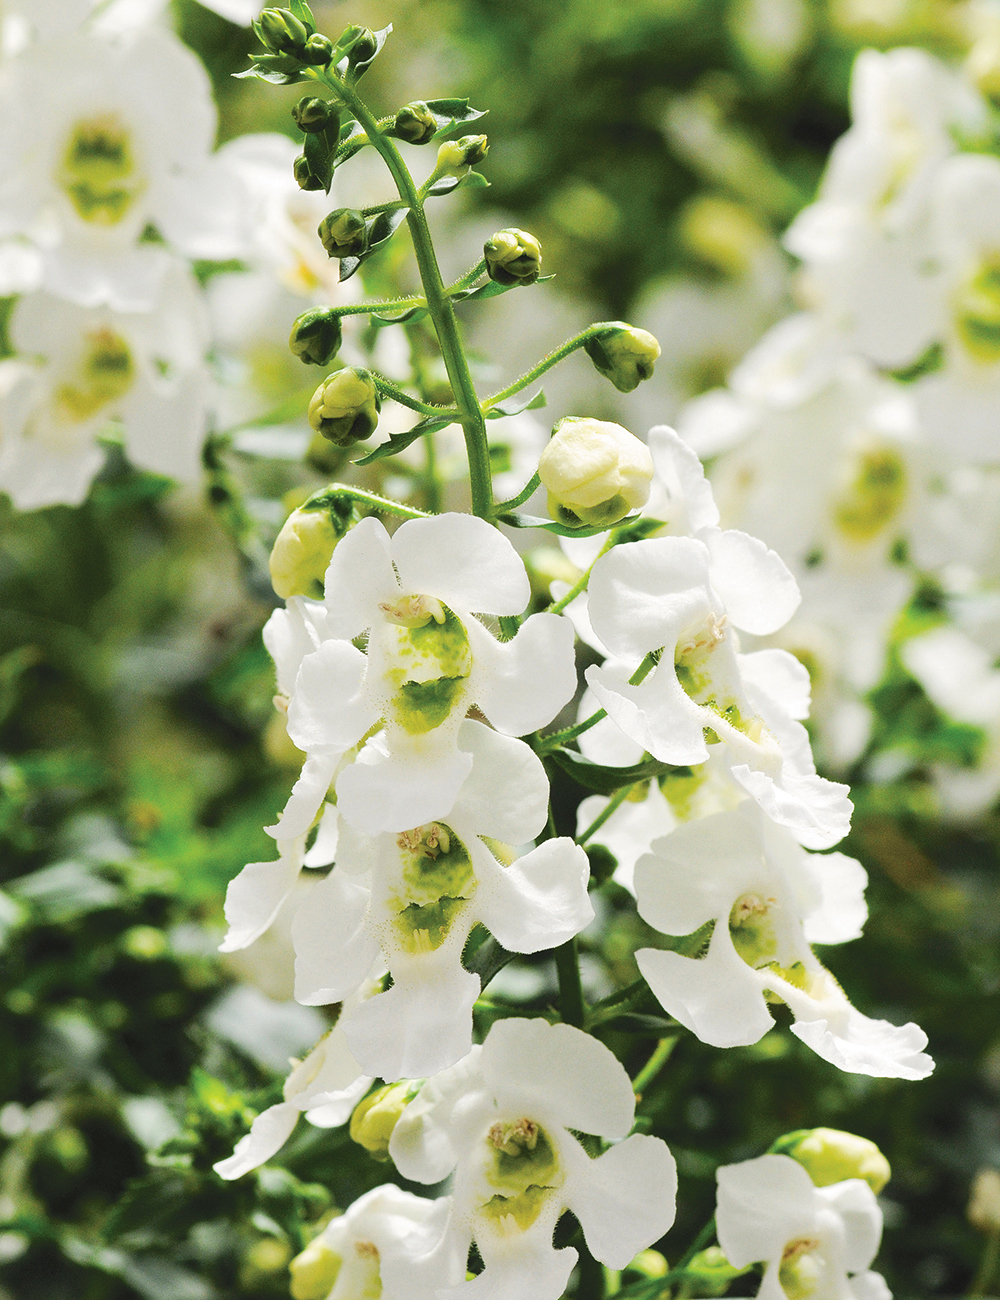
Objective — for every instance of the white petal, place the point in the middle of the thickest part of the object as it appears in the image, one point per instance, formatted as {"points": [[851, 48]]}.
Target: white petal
{"points": [[328, 709], [463, 561], [359, 578], [843, 911], [539, 901], [535, 1275], [782, 677], [165, 434], [418, 1027], [869, 1286], [307, 795], [625, 1198], [753, 582], [324, 848], [522, 684], [506, 795], [763, 1204], [289, 635], [383, 791], [656, 714], [630, 830], [255, 896], [571, 1074], [865, 1046], [268, 1134], [334, 949], [818, 811], [605, 742], [422, 1145], [687, 500], [716, 996], [855, 1202]]}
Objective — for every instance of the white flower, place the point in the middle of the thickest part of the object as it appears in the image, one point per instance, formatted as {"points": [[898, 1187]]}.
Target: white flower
{"points": [[816, 1243], [415, 897], [387, 1244], [753, 915], [682, 597], [501, 1119], [94, 365], [121, 140], [428, 660], [325, 1087]]}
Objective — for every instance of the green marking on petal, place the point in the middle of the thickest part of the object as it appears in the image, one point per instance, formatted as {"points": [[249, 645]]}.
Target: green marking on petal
{"points": [[429, 662], [874, 497], [524, 1168], [105, 375], [98, 171], [752, 928], [977, 312], [422, 706], [800, 1271], [437, 881]]}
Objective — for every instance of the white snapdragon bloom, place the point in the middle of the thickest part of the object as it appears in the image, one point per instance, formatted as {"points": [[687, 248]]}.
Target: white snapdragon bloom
{"points": [[428, 660], [682, 597], [325, 1087], [144, 369], [500, 1120], [816, 1243], [414, 897], [750, 921], [387, 1244], [120, 141]]}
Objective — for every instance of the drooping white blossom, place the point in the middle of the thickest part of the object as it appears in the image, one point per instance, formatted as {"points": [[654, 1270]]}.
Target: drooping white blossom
{"points": [[414, 897], [500, 1121], [815, 1242], [751, 902]]}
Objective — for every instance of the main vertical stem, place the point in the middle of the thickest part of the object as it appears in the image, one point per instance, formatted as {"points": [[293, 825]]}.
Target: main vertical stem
{"points": [[440, 307]]}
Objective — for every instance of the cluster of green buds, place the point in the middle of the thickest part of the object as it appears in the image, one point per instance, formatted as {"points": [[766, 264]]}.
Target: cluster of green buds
{"points": [[513, 257], [595, 472], [283, 33], [345, 407], [344, 233], [316, 336], [623, 354]]}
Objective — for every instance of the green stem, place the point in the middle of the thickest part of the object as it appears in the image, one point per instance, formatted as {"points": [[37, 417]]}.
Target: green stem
{"points": [[703, 1239], [432, 489], [439, 305], [528, 490], [616, 800], [557, 738], [383, 504], [581, 583], [656, 1062], [470, 277], [987, 1265], [546, 363], [371, 308], [571, 1002], [388, 389], [591, 1283]]}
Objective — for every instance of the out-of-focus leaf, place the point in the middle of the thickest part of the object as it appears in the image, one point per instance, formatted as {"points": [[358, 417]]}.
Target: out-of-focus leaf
{"points": [[400, 440], [606, 780]]}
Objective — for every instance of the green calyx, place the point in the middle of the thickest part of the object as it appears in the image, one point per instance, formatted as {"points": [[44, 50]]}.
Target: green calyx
{"points": [[282, 32], [316, 336], [311, 115], [623, 354]]}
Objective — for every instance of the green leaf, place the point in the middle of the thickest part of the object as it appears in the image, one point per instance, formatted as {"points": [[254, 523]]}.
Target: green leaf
{"points": [[632, 1022], [491, 289], [414, 313], [487, 960], [515, 405], [448, 184], [358, 70], [606, 780], [452, 113], [320, 149], [560, 530], [399, 441], [278, 69], [381, 228], [304, 14]]}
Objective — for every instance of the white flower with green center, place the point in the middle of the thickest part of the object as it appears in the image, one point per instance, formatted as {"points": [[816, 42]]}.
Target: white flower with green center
{"points": [[91, 366], [413, 897], [816, 1243], [743, 931], [428, 660], [680, 599], [122, 140], [325, 1087], [386, 1246], [501, 1120]]}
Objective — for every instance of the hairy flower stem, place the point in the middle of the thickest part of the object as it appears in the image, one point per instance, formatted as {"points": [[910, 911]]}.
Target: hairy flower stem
{"points": [[439, 305], [547, 362]]}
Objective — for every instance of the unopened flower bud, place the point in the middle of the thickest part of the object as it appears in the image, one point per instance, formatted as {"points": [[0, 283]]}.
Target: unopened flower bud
{"points": [[595, 472], [304, 176], [282, 32], [345, 407], [710, 1273], [314, 1271], [829, 1156], [311, 114], [302, 552], [375, 1118], [318, 50], [984, 1202], [316, 336], [415, 123], [365, 47], [513, 257], [344, 233], [625, 355], [455, 157]]}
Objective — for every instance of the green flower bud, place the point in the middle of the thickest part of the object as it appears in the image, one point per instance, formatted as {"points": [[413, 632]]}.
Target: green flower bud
{"points": [[513, 257], [302, 552], [345, 407], [375, 1118], [344, 233], [415, 123], [312, 114], [595, 472], [304, 174], [983, 1211], [316, 336], [625, 355], [710, 1273], [314, 1271], [830, 1156], [455, 157], [318, 50], [364, 48], [282, 32]]}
